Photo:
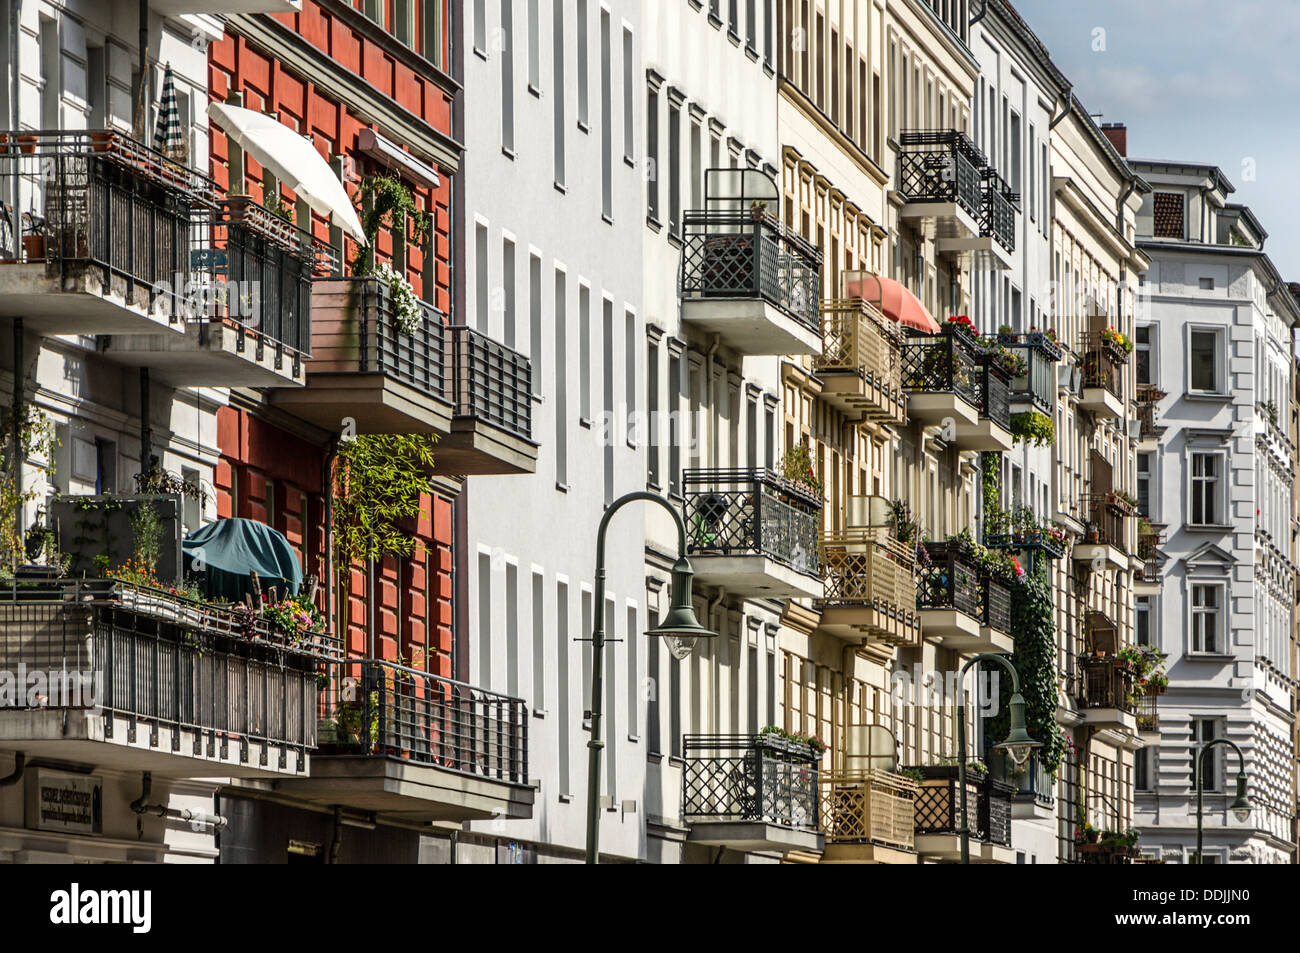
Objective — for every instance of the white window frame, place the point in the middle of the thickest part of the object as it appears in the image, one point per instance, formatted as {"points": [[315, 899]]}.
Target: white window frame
{"points": [[1220, 613], [1220, 361], [1222, 486], [1153, 354]]}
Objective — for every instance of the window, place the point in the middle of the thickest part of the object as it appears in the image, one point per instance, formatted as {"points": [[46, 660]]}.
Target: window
{"points": [[1142, 773], [674, 424], [485, 618], [1142, 621], [51, 74], [629, 98], [584, 352], [539, 642], [584, 80], [1206, 495], [652, 412], [652, 151], [1145, 463], [535, 321], [1142, 357], [508, 289], [1207, 617], [1205, 730], [634, 436], [607, 392], [481, 296], [512, 628], [633, 688], [1205, 284], [480, 27], [1167, 211], [562, 701], [606, 122], [559, 96], [534, 48], [561, 379], [507, 53], [674, 166]]}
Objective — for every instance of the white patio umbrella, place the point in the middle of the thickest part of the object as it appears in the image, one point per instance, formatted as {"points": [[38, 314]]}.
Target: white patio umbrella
{"points": [[168, 133], [293, 160]]}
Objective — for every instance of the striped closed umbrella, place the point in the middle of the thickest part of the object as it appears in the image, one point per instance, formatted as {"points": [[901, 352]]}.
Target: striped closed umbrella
{"points": [[168, 132]]}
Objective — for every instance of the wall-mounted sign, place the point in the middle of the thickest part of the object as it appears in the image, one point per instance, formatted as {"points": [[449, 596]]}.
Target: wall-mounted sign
{"points": [[60, 801]]}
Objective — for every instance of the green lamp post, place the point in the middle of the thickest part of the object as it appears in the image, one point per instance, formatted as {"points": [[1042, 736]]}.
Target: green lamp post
{"points": [[1018, 744], [1240, 805], [679, 629]]}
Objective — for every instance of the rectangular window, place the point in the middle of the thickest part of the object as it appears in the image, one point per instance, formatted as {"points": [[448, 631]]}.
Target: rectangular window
{"points": [[535, 321], [481, 294], [1167, 211], [1205, 730], [507, 77], [584, 353], [584, 69], [1206, 495], [1203, 355], [485, 618], [1014, 147], [606, 121], [611, 698], [1142, 354], [1144, 483], [674, 424], [652, 153], [563, 700], [652, 412], [674, 167], [585, 648], [512, 629], [633, 691], [561, 379], [508, 289], [480, 27], [534, 47], [539, 642], [630, 337], [607, 420], [1142, 620], [1206, 617], [653, 739], [1142, 773], [629, 99], [559, 97]]}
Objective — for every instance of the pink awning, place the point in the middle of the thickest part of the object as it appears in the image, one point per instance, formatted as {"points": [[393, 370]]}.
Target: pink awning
{"points": [[893, 299]]}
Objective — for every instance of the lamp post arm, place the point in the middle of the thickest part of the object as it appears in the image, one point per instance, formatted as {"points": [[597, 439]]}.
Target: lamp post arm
{"points": [[961, 736], [595, 745], [1200, 788]]}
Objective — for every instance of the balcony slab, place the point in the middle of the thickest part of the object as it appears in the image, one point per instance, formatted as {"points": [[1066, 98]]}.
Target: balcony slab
{"points": [[1113, 719], [942, 220], [80, 302], [755, 576], [376, 402], [1101, 402], [951, 628], [209, 355], [984, 434], [477, 448], [751, 326], [1100, 556], [755, 837], [874, 623], [172, 8], [857, 395], [410, 790], [938, 408], [81, 736], [946, 848], [866, 854], [983, 249]]}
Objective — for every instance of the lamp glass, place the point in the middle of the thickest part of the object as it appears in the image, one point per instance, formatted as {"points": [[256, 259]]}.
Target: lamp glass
{"points": [[1018, 744], [1240, 806], [680, 646]]}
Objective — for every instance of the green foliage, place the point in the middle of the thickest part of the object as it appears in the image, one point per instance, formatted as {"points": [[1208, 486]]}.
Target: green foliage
{"points": [[159, 482], [991, 467], [797, 466], [1034, 659], [35, 439], [812, 741], [386, 203], [901, 523], [378, 480], [1034, 427], [146, 534]]}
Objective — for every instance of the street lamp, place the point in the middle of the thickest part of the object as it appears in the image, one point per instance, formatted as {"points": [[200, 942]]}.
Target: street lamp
{"points": [[1018, 744], [1240, 805], [679, 630]]}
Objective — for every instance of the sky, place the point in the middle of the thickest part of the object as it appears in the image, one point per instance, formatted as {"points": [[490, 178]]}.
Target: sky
{"points": [[1213, 81]]}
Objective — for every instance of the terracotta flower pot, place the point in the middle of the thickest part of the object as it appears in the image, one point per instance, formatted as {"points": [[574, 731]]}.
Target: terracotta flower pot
{"points": [[34, 246]]}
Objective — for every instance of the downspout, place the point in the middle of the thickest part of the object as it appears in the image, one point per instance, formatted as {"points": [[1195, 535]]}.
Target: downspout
{"points": [[713, 407], [20, 765], [984, 8], [327, 482], [1119, 209], [336, 839], [146, 430], [140, 806], [144, 69], [1065, 110], [15, 91]]}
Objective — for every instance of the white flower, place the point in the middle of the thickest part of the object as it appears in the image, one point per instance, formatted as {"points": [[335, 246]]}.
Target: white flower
{"points": [[406, 306]]}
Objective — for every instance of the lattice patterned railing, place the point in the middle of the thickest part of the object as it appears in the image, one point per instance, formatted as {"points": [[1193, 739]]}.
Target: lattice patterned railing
{"points": [[868, 807]]}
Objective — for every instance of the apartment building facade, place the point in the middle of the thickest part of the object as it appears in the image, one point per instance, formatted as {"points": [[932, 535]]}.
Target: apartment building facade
{"points": [[1217, 482]]}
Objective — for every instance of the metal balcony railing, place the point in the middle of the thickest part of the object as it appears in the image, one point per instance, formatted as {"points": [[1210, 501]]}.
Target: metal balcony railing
{"points": [[747, 253], [492, 383], [995, 603], [1107, 682], [944, 363], [755, 778], [1103, 364], [379, 708], [869, 807], [951, 581], [418, 359], [1146, 705], [857, 339], [163, 661], [994, 392], [1147, 398], [1031, 783], [749, 513], [1038, 383], [100, 199], [1148, 550], [998, 211], [1106, 521], [988, 805], [866, 566], [941, 166]]}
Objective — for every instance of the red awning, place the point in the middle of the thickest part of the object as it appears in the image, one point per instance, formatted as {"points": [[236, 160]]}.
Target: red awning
{"points": [[894, 300]]}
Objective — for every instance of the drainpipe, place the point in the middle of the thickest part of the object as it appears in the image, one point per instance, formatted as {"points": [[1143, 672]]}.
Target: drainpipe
{"points": [[15, 92], [327, 482], [20, 765], [146, 431], [139, 806], [336, 840], [144, 70], [1065, 110], [1119, 209], [984, 8], [713, 407]]}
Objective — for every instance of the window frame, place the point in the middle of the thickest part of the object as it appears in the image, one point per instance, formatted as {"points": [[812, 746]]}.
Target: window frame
{"points": [[1220, 361]]}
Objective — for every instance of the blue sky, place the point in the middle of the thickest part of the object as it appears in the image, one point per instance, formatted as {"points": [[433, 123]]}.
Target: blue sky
{"points": [[1202, 80]]}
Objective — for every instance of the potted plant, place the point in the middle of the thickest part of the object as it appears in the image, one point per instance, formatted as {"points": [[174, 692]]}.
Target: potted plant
{"points": [[758, 210], [797, 467]]}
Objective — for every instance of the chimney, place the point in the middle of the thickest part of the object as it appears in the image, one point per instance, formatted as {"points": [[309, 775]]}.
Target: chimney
{"points": [[1117, 133]]}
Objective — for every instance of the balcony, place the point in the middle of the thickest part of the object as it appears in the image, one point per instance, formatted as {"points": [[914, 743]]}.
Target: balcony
{"points": [[1032, 786], [1107, 698], [142, 680], [745, 276], [870, 587], [860, 366], [753, 532], [107, 240], [751, 793], [1021, 529], [471, 391], [1147, 713], [998, 220], [941, 377], [1150, 539], [1102, 392], [1104, 545], [418, 747], [938, 817], [1148, 400], [868, 817], [246, 306], [940, 177], [962, 606], [1035, 389], [992, 428]]}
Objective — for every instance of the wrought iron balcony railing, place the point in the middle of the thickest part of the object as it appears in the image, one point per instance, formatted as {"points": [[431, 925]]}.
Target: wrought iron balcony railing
{"points": [[751, 513], [160, 661], [998, 212], [988, 805], [1148, 550], [995, 599], [493, 383], [747, 253], [869, 807], [941, 166], [755, 778], [1038, 383], [1106, 682], [1103, 364], [99, 199], [951, 581], [1148, 399], [1107, 520], [1147, 709], [944, 363], [379, 708], [993, 385]]}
